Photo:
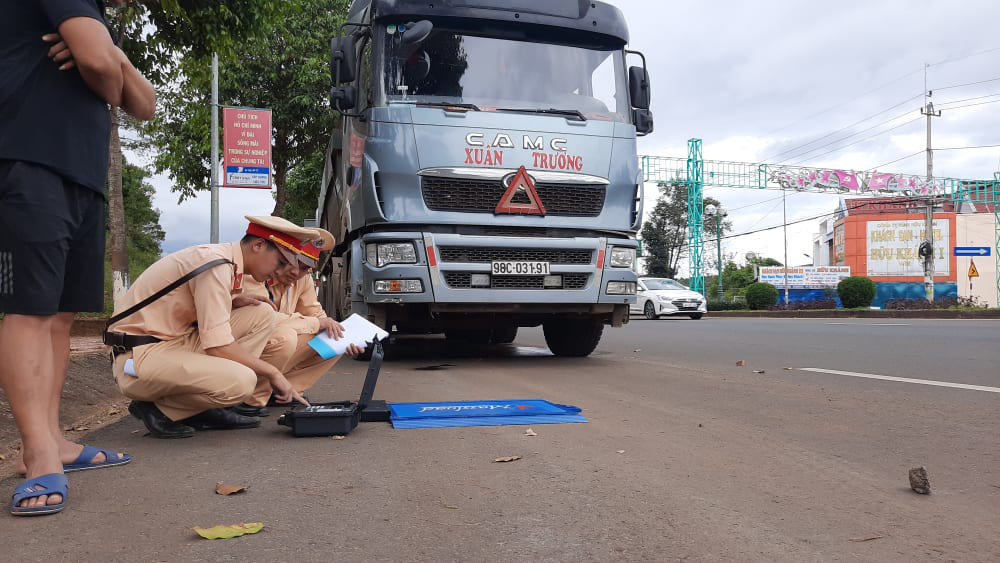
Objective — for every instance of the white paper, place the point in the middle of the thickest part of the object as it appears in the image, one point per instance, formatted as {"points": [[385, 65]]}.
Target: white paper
{"points": [[129, 368], [357, 330]]}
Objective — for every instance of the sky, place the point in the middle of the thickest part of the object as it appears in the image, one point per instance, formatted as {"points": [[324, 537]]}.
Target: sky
{"points": [[817, 84]]}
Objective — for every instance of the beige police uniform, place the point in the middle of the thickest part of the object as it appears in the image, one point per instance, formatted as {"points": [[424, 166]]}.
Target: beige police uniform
{"points": [[298, 321], [176, 374]]}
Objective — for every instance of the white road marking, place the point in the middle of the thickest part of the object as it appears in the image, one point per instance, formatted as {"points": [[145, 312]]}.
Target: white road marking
{"points": [[871, 324], [906, 380]]}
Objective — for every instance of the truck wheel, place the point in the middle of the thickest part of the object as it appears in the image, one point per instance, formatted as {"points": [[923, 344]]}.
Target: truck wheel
{"points": [[504, 334], [650, 311], [572, 338]]}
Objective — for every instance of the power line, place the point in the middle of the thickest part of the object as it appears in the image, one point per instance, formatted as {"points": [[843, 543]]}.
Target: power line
{"points": [[966, 84], [963, 148], [841, 129], [897, 160], [975, 104], [963, 57], [863, 94], [815, 156], [967, 99]]}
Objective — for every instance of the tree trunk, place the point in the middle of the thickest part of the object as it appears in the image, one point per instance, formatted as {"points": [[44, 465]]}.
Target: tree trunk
{"points": [[280, 175], [116, 213]]}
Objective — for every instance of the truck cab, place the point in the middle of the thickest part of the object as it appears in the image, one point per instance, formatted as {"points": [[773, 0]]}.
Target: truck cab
{"points": [[484, 176]]}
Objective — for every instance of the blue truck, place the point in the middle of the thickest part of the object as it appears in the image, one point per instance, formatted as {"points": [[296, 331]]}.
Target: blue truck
{"points": [[484, 176]]}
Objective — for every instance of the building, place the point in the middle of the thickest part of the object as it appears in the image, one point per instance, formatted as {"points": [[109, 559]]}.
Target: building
{"points": [[879, 238]]}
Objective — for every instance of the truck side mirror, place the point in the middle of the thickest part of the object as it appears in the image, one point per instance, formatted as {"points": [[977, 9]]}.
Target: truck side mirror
{"points": [[643, 120], [343, 60], [416, 33], [638, 87], [343, 98]]}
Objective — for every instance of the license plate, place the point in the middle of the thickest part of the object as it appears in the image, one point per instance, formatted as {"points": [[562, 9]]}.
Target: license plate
{"points": [[510, 268]]}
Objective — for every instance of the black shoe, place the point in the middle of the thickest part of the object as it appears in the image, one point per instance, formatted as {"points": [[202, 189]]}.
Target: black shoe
{"points": [[221, 419], [273, 402], [249, 410], [157, 423]]}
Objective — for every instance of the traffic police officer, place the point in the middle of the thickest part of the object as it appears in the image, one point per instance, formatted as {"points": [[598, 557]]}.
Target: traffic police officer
{"points": [[300, 318], [188, 355]]}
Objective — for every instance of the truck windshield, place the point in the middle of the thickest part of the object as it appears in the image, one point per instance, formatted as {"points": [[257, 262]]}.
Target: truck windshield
{"points": [[492, 74]]}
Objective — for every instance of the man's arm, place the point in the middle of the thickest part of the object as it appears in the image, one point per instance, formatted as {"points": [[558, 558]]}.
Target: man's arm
{"points": [[96, 57], [106, 69]]}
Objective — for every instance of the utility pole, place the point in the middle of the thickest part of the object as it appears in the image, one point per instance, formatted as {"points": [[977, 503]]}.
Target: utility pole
{"points": [[718, 247], [784, 228], [214, 234], [927, 248]]}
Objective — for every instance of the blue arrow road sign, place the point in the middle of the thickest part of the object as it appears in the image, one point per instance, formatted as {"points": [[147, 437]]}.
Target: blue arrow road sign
{"points": [[972, 251]]}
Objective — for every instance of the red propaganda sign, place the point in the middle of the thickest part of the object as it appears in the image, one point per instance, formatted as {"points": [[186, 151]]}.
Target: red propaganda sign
{"points": [[246, 153]]}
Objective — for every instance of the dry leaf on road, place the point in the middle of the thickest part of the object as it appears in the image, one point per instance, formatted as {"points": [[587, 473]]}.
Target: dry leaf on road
{"points": [[759, 371], [338, 437], [530, 432], [507, 458], [787, 369], [870, 538], [451, 506], [225, 489], [621, 451], [230, 531], [2, 457], [740, 363]]}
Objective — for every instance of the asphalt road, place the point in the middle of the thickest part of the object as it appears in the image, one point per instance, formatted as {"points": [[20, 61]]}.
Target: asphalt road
{"points": [[686, 456]]}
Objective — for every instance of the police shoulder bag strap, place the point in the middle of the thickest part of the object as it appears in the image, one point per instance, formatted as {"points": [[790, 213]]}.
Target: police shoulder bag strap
{"points": [[120, 340]]}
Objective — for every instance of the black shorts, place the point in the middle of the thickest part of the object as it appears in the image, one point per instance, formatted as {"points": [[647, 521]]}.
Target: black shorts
{"points": [[51, 242]]}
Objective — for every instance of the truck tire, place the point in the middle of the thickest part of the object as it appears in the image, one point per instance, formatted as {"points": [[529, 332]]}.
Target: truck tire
{"points": [[574, 339], [504, 334]]}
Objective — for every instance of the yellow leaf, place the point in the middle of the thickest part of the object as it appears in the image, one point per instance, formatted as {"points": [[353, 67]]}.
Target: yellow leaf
{"points": [[226, 489], [230, 531], [451, 506], [2, 457], [507, 458]]}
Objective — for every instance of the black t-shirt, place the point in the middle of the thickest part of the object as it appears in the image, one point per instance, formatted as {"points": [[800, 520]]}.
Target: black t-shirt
{"points": [[49, 116]]}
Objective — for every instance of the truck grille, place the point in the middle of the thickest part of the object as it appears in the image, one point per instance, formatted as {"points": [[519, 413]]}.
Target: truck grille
{"points": [[482, 196], [460, 280], [481, 254]]}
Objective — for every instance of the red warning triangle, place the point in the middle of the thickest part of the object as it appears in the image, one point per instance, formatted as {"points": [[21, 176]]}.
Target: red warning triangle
{"points": [[521, 184]]}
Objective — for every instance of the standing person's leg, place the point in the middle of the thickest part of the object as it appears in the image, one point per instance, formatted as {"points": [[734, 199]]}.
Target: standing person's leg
{"points": [[27, 376]]}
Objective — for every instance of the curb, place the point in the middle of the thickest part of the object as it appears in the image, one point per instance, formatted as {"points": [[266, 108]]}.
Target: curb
{"points": [[863, 314]]}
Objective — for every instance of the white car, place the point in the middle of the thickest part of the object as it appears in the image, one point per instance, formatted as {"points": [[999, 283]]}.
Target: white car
{"points": [[664, 296]]}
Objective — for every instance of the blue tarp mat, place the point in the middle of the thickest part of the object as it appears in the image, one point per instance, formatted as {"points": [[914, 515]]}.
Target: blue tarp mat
{"points": [[482, 413]]}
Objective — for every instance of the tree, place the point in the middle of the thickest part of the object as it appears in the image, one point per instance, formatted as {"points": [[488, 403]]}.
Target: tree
{"points": [[302, 189], [736, 277], [141, 226], [193, 27], [287, 71], [665, 233]]}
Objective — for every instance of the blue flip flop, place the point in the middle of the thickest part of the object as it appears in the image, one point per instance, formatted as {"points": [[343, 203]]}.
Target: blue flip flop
{"points": [[48, 484], [82, 461]]}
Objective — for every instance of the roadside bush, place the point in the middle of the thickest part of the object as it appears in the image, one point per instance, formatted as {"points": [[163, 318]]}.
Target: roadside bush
{"points": [[726, 306], [761, 295], [856, 291], [805, 305], [946, 303]]}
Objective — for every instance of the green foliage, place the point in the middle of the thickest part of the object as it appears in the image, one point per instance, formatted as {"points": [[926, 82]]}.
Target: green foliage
{"points": [[856, 291], [735, 277], [285, 71], [302, 189], [761, 295], [156, 33], [726, 306], [665, 232]]}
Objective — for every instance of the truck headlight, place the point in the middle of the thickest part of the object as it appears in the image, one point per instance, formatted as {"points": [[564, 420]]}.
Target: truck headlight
{"points": [[622, 257], [398, 286], [382, 253], [621, 288]]}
